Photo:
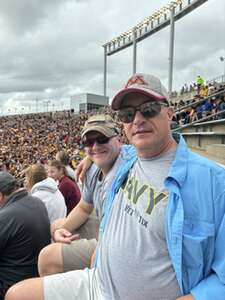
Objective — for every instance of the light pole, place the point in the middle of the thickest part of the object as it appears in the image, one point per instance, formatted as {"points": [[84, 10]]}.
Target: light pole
{"points": [[36, 105], [222, 58], [47, 104]]}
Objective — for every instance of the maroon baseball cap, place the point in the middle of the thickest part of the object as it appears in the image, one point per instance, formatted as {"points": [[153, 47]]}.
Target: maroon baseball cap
{"points": [[141, 83]]}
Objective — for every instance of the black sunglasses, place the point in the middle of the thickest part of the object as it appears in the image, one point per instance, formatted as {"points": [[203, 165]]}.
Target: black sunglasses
{"points": [[148, 110], [89, 142]]}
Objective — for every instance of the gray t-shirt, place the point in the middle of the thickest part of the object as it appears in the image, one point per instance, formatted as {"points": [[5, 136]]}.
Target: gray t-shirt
{"points": [[96, 187], [134, 263]]}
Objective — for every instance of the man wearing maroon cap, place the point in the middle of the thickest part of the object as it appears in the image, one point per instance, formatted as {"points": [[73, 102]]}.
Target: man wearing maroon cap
{"points": [[148, 85], [163, 229]]}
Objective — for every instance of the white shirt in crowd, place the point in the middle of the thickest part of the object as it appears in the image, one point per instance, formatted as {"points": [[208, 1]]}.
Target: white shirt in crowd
{"points": [[47, 190]]}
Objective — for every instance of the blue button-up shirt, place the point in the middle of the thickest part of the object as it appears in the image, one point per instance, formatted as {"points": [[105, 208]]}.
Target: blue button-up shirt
{"points": [[194, 223]]}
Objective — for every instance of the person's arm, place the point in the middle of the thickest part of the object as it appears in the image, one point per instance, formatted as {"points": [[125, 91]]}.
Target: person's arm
{"points": [[57, 224], [86, 163], [78, 215], [82, 168], [74, 220]]}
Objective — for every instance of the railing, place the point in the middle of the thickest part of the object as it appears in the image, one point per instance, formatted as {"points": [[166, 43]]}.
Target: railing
{"points": [[218, 79], [199, 121], [180, 109], [178, 96]]}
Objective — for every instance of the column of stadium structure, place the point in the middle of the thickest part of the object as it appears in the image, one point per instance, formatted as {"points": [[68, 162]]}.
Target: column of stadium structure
{"points": [[222, 59], [224, 69], [36, 105], [171, 50], [105, 69], [134, 51]]}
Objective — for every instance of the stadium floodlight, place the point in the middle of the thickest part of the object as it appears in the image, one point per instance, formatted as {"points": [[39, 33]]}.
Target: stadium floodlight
{"points": [[156, 15], [164, 10], [175, 3]]}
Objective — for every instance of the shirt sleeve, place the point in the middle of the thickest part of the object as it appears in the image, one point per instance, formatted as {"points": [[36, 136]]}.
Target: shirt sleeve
{"points": [[213, 286], [209, 288], [89, 184]]}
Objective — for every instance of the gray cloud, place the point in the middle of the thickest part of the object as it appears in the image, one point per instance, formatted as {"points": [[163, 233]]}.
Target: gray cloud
{"points": [[22, 16], [55, 46]]}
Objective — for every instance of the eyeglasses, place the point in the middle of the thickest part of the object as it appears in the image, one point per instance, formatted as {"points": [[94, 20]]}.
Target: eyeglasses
{"points": [[148, 110], [89, 142]]}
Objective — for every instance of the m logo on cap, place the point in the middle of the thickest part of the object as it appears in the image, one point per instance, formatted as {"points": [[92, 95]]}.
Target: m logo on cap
{"points": [[136, 79]]}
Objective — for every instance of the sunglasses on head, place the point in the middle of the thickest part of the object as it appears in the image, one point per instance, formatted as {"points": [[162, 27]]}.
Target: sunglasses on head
{"points": [[148, 110], [89, 142]]}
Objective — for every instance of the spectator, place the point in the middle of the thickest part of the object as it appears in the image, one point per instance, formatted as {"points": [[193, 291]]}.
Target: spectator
{"points": [[182, 90], [193, 114], [200, 83], [204, 91], [25, 230], [67, 186], [63, 156], [206, 108], [45, 188], [221, 108], [185, 88], [199, 111], [181, 103], [211, 88], [100, 137]]}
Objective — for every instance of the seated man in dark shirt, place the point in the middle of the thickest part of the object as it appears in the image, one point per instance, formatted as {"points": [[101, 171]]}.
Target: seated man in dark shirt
{"points": [[25, 230]]}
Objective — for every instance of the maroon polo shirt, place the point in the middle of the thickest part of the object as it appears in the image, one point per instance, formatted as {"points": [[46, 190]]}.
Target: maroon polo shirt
{"points": [[70, 191]]}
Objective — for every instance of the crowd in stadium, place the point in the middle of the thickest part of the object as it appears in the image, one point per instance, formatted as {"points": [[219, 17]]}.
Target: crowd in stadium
{"points": [[208, 100], [28, 139], [32, 138]]}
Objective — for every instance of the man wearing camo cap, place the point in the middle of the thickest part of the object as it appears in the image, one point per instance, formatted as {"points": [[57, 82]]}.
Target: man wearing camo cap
{"points": [[100, 137]]}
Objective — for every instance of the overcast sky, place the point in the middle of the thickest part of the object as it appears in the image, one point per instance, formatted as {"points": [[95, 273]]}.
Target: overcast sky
{"points": [[51, 49]]}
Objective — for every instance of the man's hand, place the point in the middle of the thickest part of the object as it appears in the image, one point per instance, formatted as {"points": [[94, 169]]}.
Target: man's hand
{"points": [[62, 235], [56, 225], [187, 297], [82, 168]]}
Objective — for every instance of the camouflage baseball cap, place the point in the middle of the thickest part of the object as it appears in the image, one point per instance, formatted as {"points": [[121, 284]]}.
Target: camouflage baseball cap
{"points": [[100, 123]]}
